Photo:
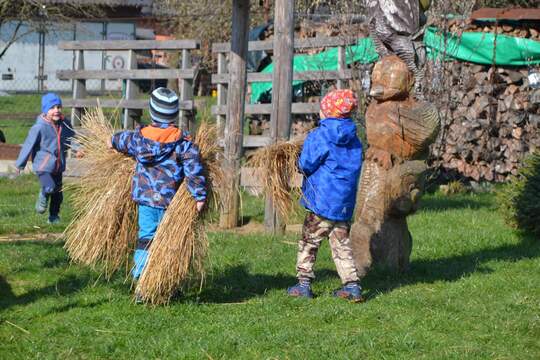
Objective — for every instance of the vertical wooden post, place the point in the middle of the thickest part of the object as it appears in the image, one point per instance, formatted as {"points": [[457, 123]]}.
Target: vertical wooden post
{"points": [[281, 91], [235, 114], [185, 117], [132, 91], [221, 92], [79, 89], [341, 66]]}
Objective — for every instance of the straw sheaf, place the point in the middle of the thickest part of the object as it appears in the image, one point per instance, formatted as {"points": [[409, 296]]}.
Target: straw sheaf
{"points": [[278, 167], [180, 244], [104, 229]]}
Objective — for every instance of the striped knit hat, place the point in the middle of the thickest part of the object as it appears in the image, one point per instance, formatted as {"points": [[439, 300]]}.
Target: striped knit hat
{"points": [[163, 106]]}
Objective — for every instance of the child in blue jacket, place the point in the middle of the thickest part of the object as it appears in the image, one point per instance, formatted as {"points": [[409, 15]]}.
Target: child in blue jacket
{"points": [[47, 143], [165, 157], [331, 161]]}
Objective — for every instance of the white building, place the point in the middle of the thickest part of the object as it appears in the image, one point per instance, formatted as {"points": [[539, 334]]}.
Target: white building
{"points": [[30, 64]]}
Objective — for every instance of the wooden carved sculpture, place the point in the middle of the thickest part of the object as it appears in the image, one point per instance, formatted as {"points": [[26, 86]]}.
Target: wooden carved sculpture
{"points": [[392, 25], [399, 131]]}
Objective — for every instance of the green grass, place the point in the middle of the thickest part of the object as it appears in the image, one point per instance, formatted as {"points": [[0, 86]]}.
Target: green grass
{"points": [[473, 292], [17, 201], [15, 104]]}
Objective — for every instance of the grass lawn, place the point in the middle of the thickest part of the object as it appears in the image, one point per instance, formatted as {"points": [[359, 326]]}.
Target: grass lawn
{"points": [[473, 291]]}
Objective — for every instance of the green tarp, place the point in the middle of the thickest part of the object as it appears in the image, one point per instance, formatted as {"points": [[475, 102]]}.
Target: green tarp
{"points": [[479, 48], [363, 52], [470, 47]]}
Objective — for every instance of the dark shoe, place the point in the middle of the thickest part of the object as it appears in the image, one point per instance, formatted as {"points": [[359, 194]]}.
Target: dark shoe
{"points": [[351, 292], [300, 290], [138, 297], [41, 203], [53, 219]]}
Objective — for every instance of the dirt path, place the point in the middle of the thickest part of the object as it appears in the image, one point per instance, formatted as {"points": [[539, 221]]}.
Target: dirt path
{"points": [[47, 237], [254, 228]]}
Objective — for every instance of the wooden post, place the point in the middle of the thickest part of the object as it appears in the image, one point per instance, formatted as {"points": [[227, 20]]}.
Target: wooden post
{"points": [[79, 89], [341, 66], [132, 92], [280, 119], [221, 92], [235, 114], [185, 117]]}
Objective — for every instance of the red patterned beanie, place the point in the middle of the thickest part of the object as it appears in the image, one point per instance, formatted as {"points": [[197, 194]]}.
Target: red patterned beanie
{"points": [[338, 103]]}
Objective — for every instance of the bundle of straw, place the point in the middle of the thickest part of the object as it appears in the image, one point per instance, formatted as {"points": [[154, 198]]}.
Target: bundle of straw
{"points": [[180, 244], [278, 166], [104, 228]]}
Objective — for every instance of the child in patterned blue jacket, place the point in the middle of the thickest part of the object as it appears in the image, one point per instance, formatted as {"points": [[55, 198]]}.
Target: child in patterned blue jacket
{"points": [[165, 157], [331, 161]]}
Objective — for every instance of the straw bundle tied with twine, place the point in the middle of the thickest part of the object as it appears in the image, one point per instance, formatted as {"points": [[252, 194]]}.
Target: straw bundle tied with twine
{"points": [[104, 226], [180, 244], [277, 164]]}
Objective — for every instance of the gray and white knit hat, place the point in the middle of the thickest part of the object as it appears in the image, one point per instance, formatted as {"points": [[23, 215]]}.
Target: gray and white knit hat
{"points": [[163, 105]]}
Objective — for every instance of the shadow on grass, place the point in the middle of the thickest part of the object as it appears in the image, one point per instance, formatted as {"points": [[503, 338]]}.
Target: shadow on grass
{"points": [[453, 268], [439, 203], [237, 284], [66, 285]]}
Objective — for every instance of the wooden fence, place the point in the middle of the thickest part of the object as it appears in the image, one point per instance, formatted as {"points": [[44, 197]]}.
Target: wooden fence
{"points": [[221, 79], [130, 100], [280, 121]]}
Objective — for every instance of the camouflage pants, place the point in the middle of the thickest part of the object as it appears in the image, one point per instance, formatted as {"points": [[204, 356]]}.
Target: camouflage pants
{"points": [[314, 231]]}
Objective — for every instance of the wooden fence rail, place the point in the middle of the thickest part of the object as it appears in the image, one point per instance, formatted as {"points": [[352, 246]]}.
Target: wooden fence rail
{"points": [[131, 102], [222, 77]]}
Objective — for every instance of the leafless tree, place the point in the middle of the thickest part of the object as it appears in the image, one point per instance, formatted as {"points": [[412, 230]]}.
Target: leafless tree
{"points": [[32, 15]]}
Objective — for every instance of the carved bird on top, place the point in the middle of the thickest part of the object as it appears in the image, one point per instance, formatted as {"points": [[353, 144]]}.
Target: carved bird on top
{"points": [[392, 25], [403, 16]]}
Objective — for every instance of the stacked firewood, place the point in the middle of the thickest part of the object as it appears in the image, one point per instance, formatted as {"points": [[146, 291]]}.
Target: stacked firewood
{"points": [[527, 31], [492, 120]]}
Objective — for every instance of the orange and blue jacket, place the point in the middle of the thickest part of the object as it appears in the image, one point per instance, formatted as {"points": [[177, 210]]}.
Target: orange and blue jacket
{"points": [[164, 158]]}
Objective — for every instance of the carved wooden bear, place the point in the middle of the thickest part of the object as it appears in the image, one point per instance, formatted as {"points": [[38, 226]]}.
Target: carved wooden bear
{"points": [[399, 131]]}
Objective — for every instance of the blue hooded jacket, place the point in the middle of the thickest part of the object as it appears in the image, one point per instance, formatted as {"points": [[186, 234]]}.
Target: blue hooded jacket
{"points": [[331, 161], [47, 143], [161, 168]]}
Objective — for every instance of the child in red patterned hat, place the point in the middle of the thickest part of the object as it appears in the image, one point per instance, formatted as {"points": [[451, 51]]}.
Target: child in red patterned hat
{"points": [[331, 161]]}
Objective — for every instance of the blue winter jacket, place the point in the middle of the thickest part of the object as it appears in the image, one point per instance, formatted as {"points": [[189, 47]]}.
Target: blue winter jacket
{"points": [[47, 143], [161, 167], [331, 161]]}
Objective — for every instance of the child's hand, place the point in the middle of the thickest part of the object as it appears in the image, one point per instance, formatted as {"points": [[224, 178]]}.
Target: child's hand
{"points": [[109, 143], [200, 205], [79, 154]]}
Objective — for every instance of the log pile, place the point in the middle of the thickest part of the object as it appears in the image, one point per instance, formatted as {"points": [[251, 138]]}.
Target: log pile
{"points": [[492, 122], [523, 30]]}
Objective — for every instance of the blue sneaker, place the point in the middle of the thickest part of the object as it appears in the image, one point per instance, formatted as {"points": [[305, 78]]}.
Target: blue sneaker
{"points": [[351, 292], [53, 219], [302, 289], [41, 203]]}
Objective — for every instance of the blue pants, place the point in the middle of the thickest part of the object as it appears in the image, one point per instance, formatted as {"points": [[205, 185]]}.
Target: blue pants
{"points": [[149, 219], [51, 187]]}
